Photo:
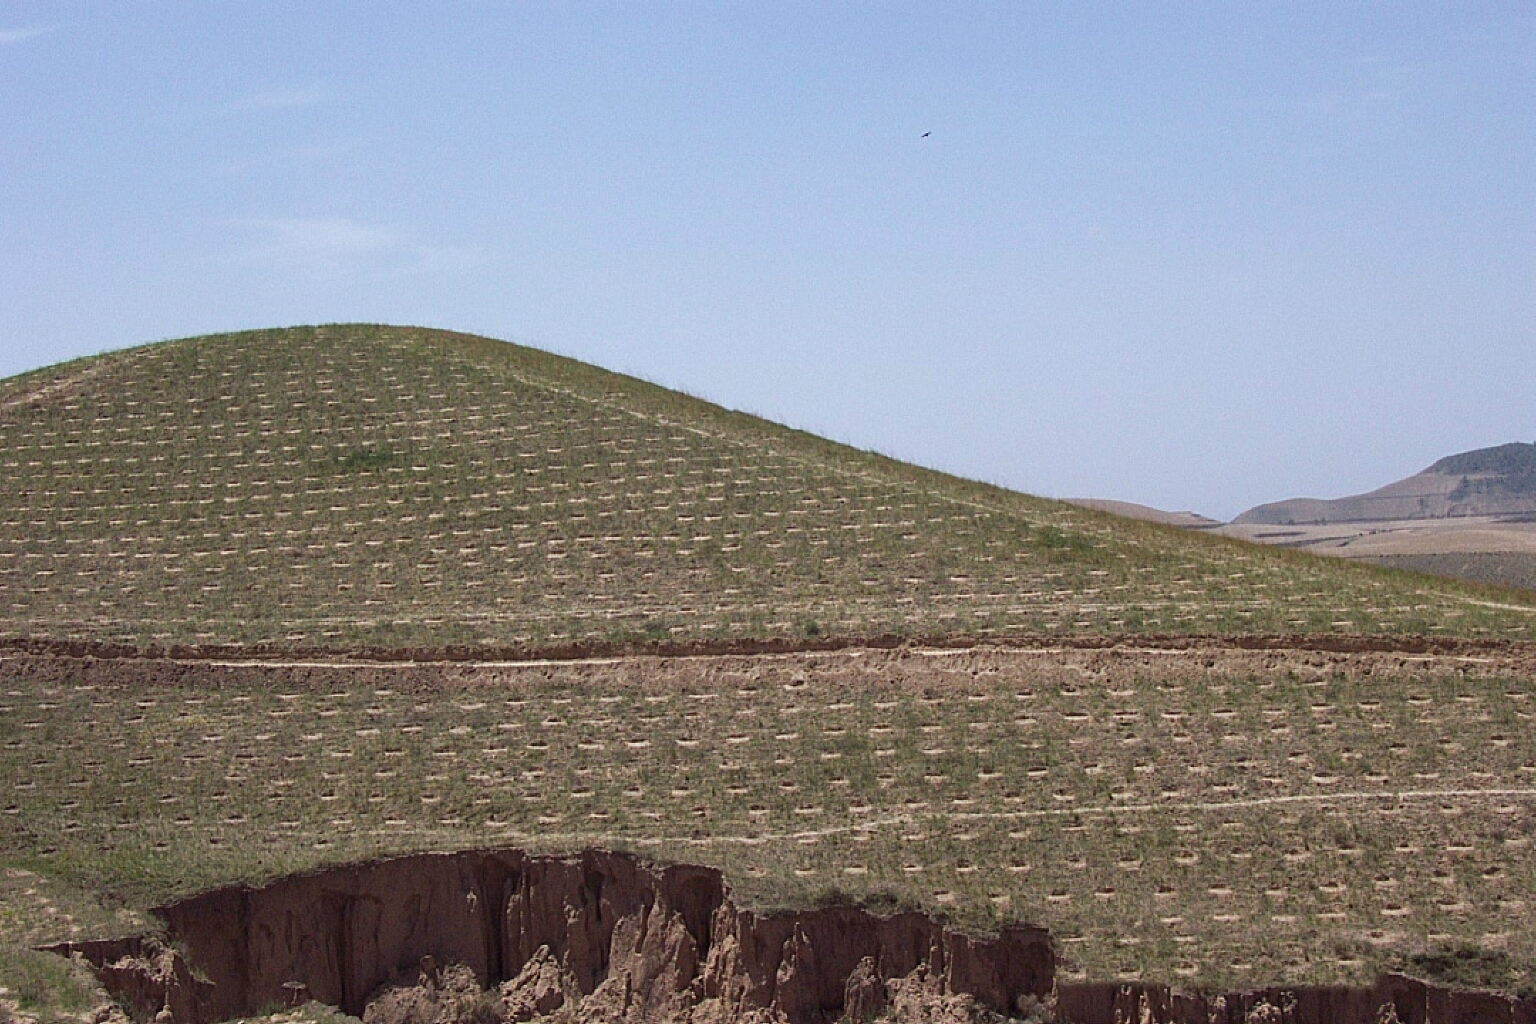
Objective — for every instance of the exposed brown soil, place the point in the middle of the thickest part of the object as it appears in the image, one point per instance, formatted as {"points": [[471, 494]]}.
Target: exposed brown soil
{"points": [[600, 934], [491, 936], [1517, 650]]}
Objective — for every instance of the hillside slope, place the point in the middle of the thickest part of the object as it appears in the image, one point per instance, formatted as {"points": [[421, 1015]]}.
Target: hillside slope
{"points": [[363, 484], [1496, 481], [1135, 510]]}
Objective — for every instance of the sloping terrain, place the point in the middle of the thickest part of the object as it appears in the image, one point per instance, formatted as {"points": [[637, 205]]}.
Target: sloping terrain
{"points": [[1501, 568], [1133, 510], [285, 600], [1199, 816], [1483, 549], [348, 485], [1470, 516], [1499, 481]]}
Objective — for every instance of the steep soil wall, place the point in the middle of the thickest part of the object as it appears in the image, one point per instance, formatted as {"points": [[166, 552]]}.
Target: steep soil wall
{"points": [[645, 943], [603, 936]]}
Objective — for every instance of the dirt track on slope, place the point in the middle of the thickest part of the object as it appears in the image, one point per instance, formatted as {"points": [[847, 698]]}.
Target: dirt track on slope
{"points": [[1513, 653]]}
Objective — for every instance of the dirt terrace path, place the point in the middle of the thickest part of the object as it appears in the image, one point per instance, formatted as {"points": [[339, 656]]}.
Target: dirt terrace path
{"points": [[1513, 652]]}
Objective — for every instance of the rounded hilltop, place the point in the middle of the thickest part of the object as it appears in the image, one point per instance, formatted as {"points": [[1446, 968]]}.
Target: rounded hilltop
{"points": [[344, 485]]}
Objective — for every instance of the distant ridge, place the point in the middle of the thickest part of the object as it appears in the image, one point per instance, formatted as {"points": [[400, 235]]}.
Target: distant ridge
{"points": [[1133, 510], [351, 486], [1498, 481]]}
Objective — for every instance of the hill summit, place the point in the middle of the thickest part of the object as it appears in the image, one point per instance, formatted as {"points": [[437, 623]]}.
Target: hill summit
{"points": [[1493, 481], [350, 485]]}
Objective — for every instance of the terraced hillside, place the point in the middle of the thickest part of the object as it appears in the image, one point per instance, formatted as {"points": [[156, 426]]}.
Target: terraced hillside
{"points": [[1046, 731], [1202, 817], [341, 485]]}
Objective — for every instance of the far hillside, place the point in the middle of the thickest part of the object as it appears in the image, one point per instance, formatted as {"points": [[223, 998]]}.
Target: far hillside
{"points": [[355, 484], [1498, 481], [1133, 510], [1470, 516]]}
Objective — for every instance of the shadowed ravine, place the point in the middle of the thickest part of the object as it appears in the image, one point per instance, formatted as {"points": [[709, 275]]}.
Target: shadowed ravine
{"points": [[605, 936]]}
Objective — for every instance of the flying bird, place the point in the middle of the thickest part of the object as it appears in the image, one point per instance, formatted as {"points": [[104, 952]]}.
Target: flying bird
{"points": [[926, 134]]}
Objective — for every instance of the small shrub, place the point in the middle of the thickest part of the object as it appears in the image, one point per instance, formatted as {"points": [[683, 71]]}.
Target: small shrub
{"points": [[1053, 538], [480, 1008], [832, 896], [1031, 1009]]}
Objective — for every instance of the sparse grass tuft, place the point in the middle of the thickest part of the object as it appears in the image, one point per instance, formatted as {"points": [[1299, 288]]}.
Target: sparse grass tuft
{"points": [[1466, 966], [46, 987], [369, 460]]}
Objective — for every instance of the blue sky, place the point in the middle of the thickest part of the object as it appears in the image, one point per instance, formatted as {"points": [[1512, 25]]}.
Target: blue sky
{"points": [[1196, 255]]}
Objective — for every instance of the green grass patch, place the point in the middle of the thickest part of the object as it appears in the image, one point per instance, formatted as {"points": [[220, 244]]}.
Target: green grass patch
{"points": [[370, 460], [45, 986]]}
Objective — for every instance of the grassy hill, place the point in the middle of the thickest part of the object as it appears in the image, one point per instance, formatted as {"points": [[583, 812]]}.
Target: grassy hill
{"points": [[1211, 817], [1215, 815], [330, 486]]}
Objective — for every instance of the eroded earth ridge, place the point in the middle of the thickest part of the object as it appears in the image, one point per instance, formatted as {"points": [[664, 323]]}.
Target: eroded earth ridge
{"points": [[484, 936]]}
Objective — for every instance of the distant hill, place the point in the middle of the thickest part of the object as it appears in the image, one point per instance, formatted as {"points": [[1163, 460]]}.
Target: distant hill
{"points": [[348, 485], [1499, 481], [1132, 510]]}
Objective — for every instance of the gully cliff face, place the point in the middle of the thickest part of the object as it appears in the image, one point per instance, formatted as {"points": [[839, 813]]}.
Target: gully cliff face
{"points": [[600, 931], [498, 936]]}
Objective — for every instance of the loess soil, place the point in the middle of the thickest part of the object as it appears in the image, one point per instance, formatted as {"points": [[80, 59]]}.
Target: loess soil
{"points": [[1228, 814], [491, 937]]}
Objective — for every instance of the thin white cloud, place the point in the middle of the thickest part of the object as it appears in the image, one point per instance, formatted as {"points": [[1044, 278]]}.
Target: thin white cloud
{"points": [[279, 99], [332, 248], [11, 36], [337, 235], [315, 240]]}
